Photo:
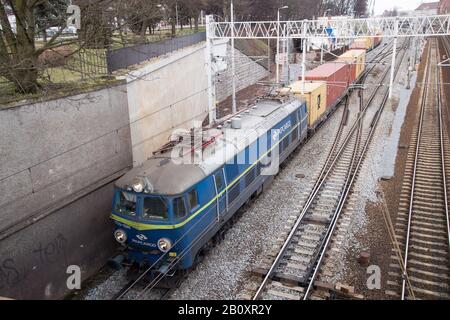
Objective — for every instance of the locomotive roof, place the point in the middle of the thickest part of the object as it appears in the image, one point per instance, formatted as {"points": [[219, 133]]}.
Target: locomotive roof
{"points": [[170, 176]]}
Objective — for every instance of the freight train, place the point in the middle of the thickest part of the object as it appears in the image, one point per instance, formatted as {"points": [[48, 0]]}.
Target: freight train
{"points": [[170, 210]]}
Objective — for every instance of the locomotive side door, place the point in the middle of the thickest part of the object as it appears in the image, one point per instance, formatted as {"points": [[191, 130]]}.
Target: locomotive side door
{"points": [[220, 184]]}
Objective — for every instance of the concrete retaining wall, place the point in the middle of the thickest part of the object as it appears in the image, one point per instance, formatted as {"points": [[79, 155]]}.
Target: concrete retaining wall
{"points": [[248, 72], [58, 159], [165, 94]]}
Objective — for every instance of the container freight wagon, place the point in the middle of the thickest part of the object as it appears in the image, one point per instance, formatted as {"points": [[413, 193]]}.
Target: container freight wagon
{"points": [[315, 97], [337, 76], [363, 43], [357, 61]]}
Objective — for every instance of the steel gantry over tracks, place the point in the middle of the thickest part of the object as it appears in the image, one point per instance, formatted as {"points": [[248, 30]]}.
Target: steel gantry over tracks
{"points": [[386, 27], [424, 26]]}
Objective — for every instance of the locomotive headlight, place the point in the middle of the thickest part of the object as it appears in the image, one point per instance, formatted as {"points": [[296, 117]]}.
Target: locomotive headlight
{"points": [[164, 244], [138, 185], [120, 235]]}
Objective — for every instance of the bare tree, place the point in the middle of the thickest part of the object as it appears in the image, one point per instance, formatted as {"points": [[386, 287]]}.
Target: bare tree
{"points": [[104, 22], [18, 51], [360, 8]]}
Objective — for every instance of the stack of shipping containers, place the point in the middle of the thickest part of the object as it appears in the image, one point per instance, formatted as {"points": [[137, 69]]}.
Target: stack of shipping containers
{"points": [[356, 59], [363, 43], [337, 75], [315, 97]]}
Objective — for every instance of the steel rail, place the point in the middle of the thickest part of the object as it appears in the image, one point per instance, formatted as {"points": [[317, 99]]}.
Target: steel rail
{"points": [[347, 189], [441, 129], [341, 126], [416, 160], [381, 54], [315, 191]]}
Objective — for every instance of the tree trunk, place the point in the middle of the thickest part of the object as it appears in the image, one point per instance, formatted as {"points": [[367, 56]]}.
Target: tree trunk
{"points": [[143, 30], [25, 78], [196, 23], [17, 50], [123, 39], [174, 30]]}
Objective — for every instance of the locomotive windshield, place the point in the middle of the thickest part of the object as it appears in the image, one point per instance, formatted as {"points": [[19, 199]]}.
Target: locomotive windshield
{"points": [[155, 208], [126, 203]]}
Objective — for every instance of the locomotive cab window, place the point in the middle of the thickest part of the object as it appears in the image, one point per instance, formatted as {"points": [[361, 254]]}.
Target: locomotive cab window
{"points": [[193, 199], [155, 208], [179, 208], [126, 203]]}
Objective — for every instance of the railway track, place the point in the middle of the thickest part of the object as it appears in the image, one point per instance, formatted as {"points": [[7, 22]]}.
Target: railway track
{"points": [[133, 292], [422, 226], [297, 264], [338, 139]]}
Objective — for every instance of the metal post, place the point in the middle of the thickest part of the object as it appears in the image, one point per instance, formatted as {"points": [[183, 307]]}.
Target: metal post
{"points": [[305, 39], [415, 51], [176, 11], [283, 54], [287, 57], [321, 52], [209, 72], [277, 57], [233, 62], [394, 52], [268, 54], [408, 78], [410, 66]]}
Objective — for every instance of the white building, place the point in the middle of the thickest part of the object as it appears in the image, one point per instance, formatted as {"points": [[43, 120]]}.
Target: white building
{"points": [[427, 9]]}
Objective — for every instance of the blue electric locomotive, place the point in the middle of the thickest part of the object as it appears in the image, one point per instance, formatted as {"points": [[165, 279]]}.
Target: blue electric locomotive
{"points": [[168, 209]]}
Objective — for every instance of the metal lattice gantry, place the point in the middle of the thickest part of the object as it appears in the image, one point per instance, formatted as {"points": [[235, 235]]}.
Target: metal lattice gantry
{"points": [[342, 28]]}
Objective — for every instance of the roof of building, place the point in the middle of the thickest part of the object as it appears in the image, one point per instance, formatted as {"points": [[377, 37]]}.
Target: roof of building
{"points": [[174, 172], [428, 6], [444, 6]]}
